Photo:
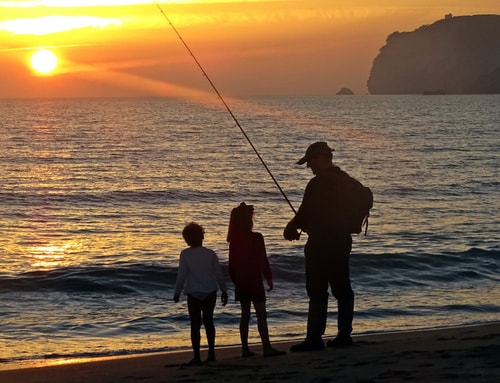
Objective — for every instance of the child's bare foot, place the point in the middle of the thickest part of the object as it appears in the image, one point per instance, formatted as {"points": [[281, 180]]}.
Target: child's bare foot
{"points": [[195, 362], [247, 353], [210, 357]]}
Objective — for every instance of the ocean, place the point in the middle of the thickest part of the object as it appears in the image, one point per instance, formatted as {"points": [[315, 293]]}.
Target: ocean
{"points": [[95, 193]]}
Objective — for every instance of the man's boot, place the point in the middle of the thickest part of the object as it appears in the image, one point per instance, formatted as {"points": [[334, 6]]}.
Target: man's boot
{"points": [[345, 317], [316, 324]]}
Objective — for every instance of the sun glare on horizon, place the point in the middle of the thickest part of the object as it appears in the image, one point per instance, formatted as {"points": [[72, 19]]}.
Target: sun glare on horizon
{"points": [[44, 61]]}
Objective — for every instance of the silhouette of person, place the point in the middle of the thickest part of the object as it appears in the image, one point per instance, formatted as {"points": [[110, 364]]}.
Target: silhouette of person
{"points": [[326, 251], [200, 276], [247, 264]]}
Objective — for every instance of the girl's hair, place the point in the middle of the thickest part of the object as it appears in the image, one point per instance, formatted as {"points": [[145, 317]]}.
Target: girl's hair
{"points": [[193, 234], [241, 221]]}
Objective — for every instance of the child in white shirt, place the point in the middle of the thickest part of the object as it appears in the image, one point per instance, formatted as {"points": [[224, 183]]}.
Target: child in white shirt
{"points": [[200, 276]]}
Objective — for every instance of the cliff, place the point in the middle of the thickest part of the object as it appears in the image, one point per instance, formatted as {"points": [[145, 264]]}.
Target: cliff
{"points": [[453, 55]]}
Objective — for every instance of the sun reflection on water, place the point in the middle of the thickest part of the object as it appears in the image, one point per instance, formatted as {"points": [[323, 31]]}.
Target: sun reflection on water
{"points": [[49, 256]]}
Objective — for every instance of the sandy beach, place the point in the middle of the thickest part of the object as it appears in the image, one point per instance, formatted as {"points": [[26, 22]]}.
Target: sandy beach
{"points": [[464, 354]]}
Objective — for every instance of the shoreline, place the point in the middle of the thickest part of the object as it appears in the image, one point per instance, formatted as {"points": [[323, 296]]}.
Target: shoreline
{"points": [[438, 355]]}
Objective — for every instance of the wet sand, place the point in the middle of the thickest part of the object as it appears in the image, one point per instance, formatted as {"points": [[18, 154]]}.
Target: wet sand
{"points": [[463, 354]]}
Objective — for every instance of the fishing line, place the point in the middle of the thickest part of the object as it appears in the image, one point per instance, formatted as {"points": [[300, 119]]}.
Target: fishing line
{"points": [[224, 103]]}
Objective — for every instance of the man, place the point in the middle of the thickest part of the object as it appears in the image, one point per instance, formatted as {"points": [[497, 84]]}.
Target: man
{"points": [[326, 251]]}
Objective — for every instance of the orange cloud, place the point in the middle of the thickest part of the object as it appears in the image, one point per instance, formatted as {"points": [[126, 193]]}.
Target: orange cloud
{"points": [[53, 24]]}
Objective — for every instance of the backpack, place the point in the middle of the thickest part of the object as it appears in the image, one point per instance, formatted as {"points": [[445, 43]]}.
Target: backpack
{"points": [[355, 205]]}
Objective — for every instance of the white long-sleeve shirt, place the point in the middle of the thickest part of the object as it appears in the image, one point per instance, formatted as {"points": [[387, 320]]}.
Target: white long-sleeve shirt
{"points": [[199, 272]]}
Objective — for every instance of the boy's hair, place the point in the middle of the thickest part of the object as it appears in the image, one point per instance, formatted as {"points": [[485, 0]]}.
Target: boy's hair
{"points": [[193, 234]]}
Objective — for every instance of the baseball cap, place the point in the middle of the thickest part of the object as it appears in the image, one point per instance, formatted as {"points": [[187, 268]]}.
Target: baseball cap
{"points": [[316, 149]]}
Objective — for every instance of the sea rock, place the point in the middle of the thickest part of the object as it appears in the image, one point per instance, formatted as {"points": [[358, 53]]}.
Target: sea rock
{"points": [[345, 92], [453, 55]]}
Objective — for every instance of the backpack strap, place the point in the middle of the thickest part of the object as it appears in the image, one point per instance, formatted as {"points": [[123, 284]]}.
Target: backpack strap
{"points": [[365, 224]]}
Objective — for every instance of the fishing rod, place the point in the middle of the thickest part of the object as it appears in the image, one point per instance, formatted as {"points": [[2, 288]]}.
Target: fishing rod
{"points": [[225, 104]]}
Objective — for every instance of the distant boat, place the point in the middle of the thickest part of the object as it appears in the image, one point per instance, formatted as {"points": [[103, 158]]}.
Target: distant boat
{"points": [[433, 92]]}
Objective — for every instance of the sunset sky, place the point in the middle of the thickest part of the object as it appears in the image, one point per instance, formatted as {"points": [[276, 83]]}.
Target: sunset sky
{"points": [[248, 48]]}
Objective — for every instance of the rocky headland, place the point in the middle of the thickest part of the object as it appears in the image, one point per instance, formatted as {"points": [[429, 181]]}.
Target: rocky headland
{"points": [[451, 56]]}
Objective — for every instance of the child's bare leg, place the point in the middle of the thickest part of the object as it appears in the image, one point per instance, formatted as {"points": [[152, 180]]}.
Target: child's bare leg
{"points": [[244, 321], [260, 310]]}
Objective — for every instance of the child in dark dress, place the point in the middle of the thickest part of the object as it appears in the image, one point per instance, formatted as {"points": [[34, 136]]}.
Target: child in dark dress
{"points": [[247, 264]]}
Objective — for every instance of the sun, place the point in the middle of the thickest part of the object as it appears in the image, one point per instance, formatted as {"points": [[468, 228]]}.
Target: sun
{"points": [[44, 61]]}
